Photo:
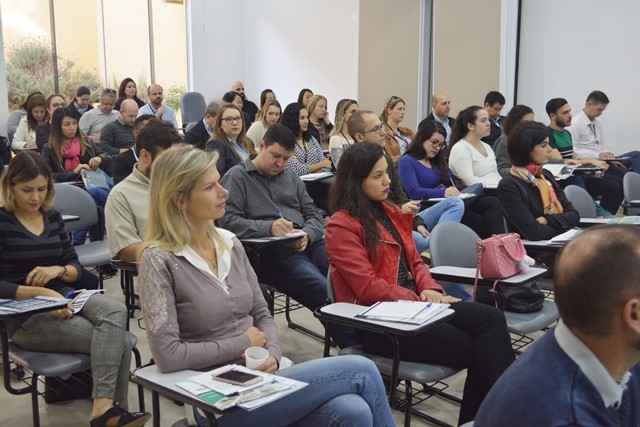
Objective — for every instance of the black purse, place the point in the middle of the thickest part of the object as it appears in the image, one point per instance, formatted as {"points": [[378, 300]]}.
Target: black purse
{"points": [[521, 298]]}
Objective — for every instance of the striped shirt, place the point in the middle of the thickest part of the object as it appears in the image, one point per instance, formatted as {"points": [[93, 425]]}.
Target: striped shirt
{"points": [[21, 250]]}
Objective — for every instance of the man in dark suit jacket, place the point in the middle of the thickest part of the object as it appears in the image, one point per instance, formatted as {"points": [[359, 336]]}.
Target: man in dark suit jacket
{"points": [[493, 103], [248, 107], [201, 132], [440, 108]]}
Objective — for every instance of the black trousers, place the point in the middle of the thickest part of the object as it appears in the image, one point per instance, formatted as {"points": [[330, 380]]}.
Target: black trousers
{"points": [[476, 339], [484, 216]]}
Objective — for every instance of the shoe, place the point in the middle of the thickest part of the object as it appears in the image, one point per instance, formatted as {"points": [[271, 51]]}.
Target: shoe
{"points": [[117, 416]]}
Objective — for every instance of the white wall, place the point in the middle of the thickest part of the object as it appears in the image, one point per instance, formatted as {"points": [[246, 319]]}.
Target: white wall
{"points": [[281, 44], [569, 48]]}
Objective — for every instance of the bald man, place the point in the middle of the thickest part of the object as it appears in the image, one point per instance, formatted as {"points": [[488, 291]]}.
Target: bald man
{"points": [[248, 107], [156, 107], [116, 137], [440, 108], [585, 372]]}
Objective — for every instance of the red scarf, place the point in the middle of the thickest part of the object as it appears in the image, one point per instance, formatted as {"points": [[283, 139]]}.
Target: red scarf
{"points": [[71, 154]]}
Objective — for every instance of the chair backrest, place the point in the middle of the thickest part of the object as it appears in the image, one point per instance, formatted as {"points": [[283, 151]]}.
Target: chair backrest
{"points": [[631, 186], [331, 296], [72, 200], [453, 244], [192, 107], [190, 126], [581, 200]]}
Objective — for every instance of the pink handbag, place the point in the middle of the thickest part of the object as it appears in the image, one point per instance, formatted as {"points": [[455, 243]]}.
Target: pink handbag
{"points": [[499, 255]]}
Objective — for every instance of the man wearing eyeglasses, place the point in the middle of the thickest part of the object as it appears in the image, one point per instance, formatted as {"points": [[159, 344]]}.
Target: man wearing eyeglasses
{"points": [[156, 107], [92, 122]]}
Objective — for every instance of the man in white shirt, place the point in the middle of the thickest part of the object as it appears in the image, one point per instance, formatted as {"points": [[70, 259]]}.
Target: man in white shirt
{"points": [[155, 106], [586, 371], [587, 133], [92, 122]]}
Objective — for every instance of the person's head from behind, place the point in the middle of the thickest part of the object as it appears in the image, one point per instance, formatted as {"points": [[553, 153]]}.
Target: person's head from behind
{"points": [[83, 96], [153, 139], [55, 101], [528, 144], [128, 111], [344, 110], [360, 180], [493, 103], [127, 89], [472, 122], [517, 114], [304, 96], [36, 111], [107, 101], [440, 104], [28, 98], [596, 284], [26, 185], [229, 122], [185, 192], [393, 110], [428, 142], [365, 126], [233, 98], [559, 112], [266, 95], [296, 117], [274, 150], [595, 105], [141, 122], [271, 113], [317, 108]]}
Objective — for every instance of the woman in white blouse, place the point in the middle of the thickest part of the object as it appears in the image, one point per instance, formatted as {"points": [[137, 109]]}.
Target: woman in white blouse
{"points": [[470, 159], [25, 136]]}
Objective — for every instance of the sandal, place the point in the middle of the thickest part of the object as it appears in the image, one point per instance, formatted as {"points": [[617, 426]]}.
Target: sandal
{"points": [[120, 417]]}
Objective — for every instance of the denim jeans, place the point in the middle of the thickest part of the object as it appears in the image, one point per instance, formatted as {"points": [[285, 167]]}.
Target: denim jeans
{"points": [[96, 231], [343, 391], [450, 209]]}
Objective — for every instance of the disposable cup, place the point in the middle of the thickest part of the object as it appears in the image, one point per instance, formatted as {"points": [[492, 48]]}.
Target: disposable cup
{"points": [[255, 356]]}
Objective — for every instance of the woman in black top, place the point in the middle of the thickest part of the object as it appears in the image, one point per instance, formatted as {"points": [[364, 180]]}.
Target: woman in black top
{"points": [[531, 200]]}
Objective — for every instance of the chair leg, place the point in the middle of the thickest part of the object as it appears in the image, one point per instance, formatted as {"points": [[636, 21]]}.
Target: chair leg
{"points": [[138, 360], [34, 400], [408, 397]]}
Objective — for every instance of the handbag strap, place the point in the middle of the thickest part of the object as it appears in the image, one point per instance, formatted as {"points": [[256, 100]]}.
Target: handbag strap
{"points": [[480, 250], [518, 257]]}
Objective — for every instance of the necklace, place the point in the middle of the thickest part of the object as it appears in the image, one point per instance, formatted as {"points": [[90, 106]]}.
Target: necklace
{"points": [[209, 255]]}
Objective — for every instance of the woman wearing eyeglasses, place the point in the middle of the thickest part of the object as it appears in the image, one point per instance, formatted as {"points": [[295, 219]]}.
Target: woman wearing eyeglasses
{"points": [[398, 138], [424, 174], [307, 156], [229, 138]]}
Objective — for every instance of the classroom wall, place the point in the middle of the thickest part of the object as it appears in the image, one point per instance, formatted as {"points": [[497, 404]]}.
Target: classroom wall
{"points": [[466, 50], [569, 48]]}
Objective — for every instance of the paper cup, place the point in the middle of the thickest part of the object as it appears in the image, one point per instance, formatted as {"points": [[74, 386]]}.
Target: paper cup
{"points": [[255, 356]]}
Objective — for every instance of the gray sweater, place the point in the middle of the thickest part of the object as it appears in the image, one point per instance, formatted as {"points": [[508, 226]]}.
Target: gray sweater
{"points": [[192, 321], [253, 198], [116, 135]]}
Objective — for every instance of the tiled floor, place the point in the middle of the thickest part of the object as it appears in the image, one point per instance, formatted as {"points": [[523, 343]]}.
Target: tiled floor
{"points": [[16, 410]]}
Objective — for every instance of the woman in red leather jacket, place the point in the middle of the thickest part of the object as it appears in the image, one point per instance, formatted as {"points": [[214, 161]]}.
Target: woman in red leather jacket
{"points": [[373, 258]]}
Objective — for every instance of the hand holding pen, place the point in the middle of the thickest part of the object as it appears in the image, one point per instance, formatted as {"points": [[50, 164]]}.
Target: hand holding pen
{"points": [[281, 226]]}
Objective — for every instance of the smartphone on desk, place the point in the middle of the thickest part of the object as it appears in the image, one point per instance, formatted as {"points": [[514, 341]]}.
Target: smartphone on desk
{"points": [[242, 379]]}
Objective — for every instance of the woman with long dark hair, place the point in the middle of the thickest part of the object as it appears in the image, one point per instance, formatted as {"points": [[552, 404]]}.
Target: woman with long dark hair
{"points": [[25, 136], [424, 174], [229, 138], [68, 154], [128, 90], [373, 258], [470, 159], [307, 156], [81, 102], [304, 96]]}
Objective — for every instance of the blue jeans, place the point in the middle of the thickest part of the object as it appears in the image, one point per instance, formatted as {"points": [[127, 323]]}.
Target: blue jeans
{"points": [[96, 231], [343, 391], [450, 209], [635, 160]]}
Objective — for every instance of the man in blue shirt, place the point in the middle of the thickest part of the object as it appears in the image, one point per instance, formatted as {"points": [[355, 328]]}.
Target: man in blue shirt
{"points": [[156, 107], [585, 372]]}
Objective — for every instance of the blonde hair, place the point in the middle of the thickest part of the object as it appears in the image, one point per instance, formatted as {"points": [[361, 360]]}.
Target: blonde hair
{"points": [[313, 101], [341, 109], [175, 172], [390, 104], [262, 114], [24, 167]]}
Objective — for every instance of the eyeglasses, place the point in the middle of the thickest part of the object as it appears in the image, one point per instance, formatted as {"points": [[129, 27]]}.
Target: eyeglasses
{"points": [[436, 144], [232, 120], [377, 129]]}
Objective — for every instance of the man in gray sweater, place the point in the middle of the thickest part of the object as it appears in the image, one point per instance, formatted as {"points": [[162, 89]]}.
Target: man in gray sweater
{"points": [[267, 199]]}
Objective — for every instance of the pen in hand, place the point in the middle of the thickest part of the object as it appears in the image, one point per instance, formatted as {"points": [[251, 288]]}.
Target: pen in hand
{"points": [[280, 223]]}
